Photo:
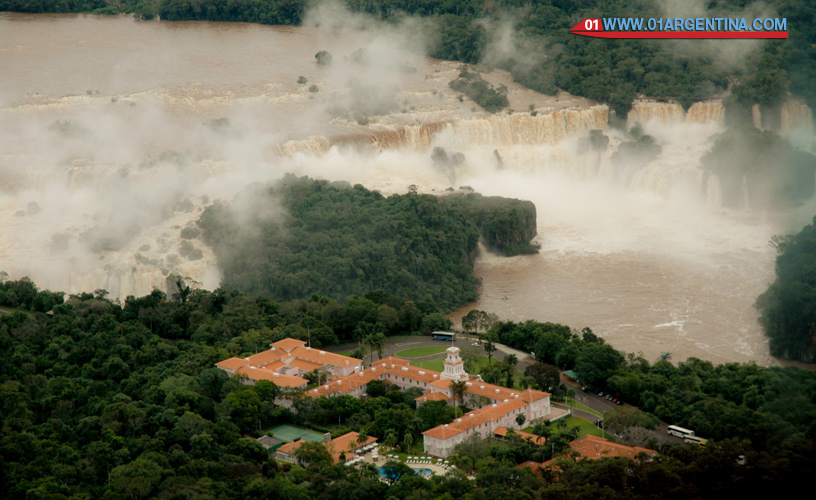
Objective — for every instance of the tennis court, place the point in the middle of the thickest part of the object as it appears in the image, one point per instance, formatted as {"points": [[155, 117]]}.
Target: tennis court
{"points": [[289, 433]]}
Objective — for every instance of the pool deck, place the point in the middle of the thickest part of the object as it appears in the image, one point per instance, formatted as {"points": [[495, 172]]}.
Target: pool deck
{"points": [[434, 468]]}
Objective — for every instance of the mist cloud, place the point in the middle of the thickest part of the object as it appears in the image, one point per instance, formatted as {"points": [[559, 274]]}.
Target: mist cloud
{"points": [[725, 54]]}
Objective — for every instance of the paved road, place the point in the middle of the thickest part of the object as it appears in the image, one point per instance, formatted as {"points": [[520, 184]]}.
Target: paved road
{"points": [[602, 405], [594, 401]]}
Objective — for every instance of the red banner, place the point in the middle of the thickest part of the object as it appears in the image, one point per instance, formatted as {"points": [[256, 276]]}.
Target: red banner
{"points": [[595, 28]]}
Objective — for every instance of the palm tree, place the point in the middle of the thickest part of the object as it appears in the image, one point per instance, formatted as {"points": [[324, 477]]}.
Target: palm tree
{"points": [[488, 342], [415, 426], [367, 469], [390, 440], [458, 388], [375, 341], [408, 441], [510, 362], [520, 419], [542, 430], [362, 437]]}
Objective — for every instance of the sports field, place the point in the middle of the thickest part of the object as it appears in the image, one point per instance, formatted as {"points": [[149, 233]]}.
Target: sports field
{"points": [[289, 433]]}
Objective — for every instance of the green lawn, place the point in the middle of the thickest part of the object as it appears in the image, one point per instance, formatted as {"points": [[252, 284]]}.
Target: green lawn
{"points": [[417, 449], [581, 406], [417, 352], [439, 365], [435, 364], [481, 362], [584, 428]]}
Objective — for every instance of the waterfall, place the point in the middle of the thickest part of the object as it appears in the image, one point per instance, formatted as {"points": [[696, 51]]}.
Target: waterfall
{"points": [[793, 115], [756, 116], [706, 111], [671, 112], [314, 145], [523, 128], [666, 112], [498, 129], [796, 115]]}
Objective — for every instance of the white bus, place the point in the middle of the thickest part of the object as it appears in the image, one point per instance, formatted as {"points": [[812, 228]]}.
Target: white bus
{"points": [[695, 440], [449, 336], [679, 431]]}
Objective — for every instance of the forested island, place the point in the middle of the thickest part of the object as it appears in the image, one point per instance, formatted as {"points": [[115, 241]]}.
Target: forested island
{"points": [[121, 401], [549, 58], [789, 305], [299, 236]]}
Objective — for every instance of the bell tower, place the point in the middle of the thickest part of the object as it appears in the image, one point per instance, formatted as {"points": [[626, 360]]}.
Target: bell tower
{"points": [[454, 366]]}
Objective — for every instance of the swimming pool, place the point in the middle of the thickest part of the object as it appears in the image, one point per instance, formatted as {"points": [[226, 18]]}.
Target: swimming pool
{"points": [[421, 471]]}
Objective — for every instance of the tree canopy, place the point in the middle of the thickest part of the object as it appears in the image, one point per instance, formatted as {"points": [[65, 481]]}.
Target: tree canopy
{"points": [[299, 236], [788, 306], [108, 400]]}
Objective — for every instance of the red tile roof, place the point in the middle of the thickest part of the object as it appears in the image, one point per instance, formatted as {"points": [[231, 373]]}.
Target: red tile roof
{"points": [[324, 357], [432, 396], [475, 418], [279, 379], [502, 431], [275, 365], [391, 360], [492, 391], [595, 447], [232, 363], [335, 447], [411, 372], [341, 444], [265, 357], [288, 344], [443, 432], [344, 385], [305, 365], [533, 466]]}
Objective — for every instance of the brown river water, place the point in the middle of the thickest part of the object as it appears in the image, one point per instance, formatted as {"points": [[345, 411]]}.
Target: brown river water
{"points": [[90, 107]]}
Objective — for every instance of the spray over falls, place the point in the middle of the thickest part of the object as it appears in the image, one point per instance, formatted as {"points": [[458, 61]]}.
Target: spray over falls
{"points": [[645, 255]]}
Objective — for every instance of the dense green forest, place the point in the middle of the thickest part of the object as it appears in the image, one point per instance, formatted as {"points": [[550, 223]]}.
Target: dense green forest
{"points": [[772, 407], [549, 57], [298, 236], [122, 401], [789, 305]]}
